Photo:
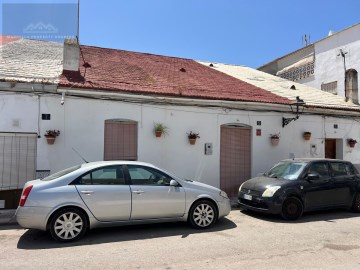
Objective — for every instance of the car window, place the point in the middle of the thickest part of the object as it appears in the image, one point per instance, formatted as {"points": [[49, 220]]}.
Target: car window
{"points": [[141, 175], [341, 169], [286, 170], [103, 176], [320, 168], [61, 173]]}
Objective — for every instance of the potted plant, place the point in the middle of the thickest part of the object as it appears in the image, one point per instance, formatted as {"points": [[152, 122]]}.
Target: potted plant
{"points": [[51, 136], [275, 138], [159, 129], [307, 135], [192, 136], [352, 142]]}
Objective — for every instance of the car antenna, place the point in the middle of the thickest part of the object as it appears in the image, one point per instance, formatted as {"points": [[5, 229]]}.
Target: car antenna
{"points": [[79, 155]]}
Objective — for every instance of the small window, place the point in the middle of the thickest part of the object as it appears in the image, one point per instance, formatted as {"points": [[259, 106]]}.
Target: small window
{"points": [[141, 175], [103, 176], [320, 168], [340, 168]]}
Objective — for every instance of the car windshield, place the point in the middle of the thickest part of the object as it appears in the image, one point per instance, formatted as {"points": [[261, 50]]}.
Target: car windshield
{"points": [[61, 173], [286, 170]]}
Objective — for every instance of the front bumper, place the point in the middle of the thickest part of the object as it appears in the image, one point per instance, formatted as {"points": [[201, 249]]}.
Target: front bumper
{"points": [[32, 217], [224, 207], [272, 205]]}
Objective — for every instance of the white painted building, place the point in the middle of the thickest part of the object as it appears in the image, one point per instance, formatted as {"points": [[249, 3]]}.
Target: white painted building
{"points": [[330, 64], [111, 104]]}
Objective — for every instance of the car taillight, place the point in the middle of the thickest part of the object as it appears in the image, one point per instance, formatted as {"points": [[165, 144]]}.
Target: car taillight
{"points": [[25, 195]]}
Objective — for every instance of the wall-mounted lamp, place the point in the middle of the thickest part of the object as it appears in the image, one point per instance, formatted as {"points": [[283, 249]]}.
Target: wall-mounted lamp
{"points": [[297, 108]]}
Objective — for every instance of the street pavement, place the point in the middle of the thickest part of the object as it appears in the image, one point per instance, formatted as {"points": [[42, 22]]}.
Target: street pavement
{"points": [[243, 240]]}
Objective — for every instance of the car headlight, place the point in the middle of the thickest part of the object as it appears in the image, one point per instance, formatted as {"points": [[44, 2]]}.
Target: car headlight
{"points": [[223, 194], [241, 187], [270, 191]]}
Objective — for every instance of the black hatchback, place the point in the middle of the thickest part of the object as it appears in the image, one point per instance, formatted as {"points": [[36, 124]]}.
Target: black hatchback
{"points": [[295, 186]]}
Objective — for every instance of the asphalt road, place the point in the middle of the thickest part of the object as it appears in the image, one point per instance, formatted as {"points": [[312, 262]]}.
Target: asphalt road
{"points": [[324, 240]]}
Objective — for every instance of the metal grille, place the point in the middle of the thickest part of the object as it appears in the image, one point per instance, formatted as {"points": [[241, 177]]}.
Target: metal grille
{"points": [[17, 159], [235, 158], [120, 140]]}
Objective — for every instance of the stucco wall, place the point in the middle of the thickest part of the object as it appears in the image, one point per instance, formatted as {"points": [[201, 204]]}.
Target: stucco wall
{"points": [[81, 122], [329, 65]]}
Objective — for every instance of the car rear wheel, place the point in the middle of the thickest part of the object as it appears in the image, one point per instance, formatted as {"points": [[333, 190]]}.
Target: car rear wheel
{"points": [[292, 209], [356, 204], [203, 214], [68, 225]]}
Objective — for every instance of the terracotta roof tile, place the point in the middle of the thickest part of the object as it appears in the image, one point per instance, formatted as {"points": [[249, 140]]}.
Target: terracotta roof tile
{"points": [[141, 73]]}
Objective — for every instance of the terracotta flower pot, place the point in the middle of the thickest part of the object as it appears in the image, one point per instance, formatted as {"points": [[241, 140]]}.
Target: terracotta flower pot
{"points": [[192, 141], [158, 133], [275, 141], [50, 139], [307, 137], [352, 144]]}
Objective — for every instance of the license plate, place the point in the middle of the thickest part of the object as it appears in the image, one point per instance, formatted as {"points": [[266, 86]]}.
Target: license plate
{"points": [[247, 197]]}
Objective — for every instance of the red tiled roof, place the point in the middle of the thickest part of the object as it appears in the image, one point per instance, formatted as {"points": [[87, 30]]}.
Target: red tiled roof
{"points": [[7, 39], [141, 73]]}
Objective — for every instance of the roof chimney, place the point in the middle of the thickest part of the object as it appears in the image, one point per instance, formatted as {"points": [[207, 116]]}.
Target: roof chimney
{"points": [[71, 55]]}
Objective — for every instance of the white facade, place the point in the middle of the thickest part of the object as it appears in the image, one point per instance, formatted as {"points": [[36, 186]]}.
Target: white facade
{"points": [[326, 59], [81, 123]]}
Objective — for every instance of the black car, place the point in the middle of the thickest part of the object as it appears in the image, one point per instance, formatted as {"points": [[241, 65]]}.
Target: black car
{"points": [[295, 186]]}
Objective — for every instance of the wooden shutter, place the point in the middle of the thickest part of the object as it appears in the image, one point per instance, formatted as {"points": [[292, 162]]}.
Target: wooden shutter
{"points": [[17, 159], [120, 140]]}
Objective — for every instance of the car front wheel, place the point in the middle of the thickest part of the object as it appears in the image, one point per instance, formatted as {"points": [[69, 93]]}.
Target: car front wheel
{"points": [[292, 209], [68, 225], [203, 214]]}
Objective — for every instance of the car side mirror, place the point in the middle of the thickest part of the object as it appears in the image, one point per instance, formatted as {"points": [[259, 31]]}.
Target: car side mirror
{"points": [[312, 176], [173, 183]]}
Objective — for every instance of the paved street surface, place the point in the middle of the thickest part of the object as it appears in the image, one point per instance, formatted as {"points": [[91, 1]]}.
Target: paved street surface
{"points": [[325, 240]]}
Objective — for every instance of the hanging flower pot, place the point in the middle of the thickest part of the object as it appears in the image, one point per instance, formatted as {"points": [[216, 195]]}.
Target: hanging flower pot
{"points": [[307, 135], [51, 136], [352, 142], [159, 129], [192, 136], [275, 138]]}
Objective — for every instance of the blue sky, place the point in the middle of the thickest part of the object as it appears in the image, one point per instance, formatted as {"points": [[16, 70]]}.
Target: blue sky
{"points": [[250, 33]]}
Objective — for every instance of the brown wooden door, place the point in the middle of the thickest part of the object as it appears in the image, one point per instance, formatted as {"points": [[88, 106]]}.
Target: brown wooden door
{"points": [[330, 148], [235, 158]]}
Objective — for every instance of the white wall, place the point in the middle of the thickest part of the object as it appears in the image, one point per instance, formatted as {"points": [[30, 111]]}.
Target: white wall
{"points": [[329, 66], [81, 123]]}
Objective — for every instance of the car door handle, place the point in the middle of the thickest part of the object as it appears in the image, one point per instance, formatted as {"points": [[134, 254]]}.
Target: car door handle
{"points": [[138, 191], [87, 192]]}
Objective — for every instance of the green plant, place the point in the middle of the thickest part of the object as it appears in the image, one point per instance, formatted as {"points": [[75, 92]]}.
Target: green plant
{"points": [[160, 127], [193, 135], [52, 133], [307, 133], [352, 141], [275, 136]]}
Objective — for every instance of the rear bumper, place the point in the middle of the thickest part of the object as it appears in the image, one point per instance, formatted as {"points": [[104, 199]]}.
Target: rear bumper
{"points": [[32, 217]]}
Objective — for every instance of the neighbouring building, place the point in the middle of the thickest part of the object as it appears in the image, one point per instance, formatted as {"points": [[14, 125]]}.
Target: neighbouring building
{"points": [[105, 103], [330, 64]]}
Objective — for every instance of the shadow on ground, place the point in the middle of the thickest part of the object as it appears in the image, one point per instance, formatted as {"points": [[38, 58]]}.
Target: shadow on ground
{"points": [[326, 215], [34, 239]]}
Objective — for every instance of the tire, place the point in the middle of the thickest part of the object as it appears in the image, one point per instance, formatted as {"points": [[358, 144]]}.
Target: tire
{"points": [[292, 209], [68, 224], [203, 214], [356, 203]]}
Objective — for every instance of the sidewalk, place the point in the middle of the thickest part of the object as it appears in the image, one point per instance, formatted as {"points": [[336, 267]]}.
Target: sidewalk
{"points": [[7, 216]]}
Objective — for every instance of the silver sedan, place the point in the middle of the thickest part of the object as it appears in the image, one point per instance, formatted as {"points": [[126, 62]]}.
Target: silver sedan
{"points": [[112, 193]]}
